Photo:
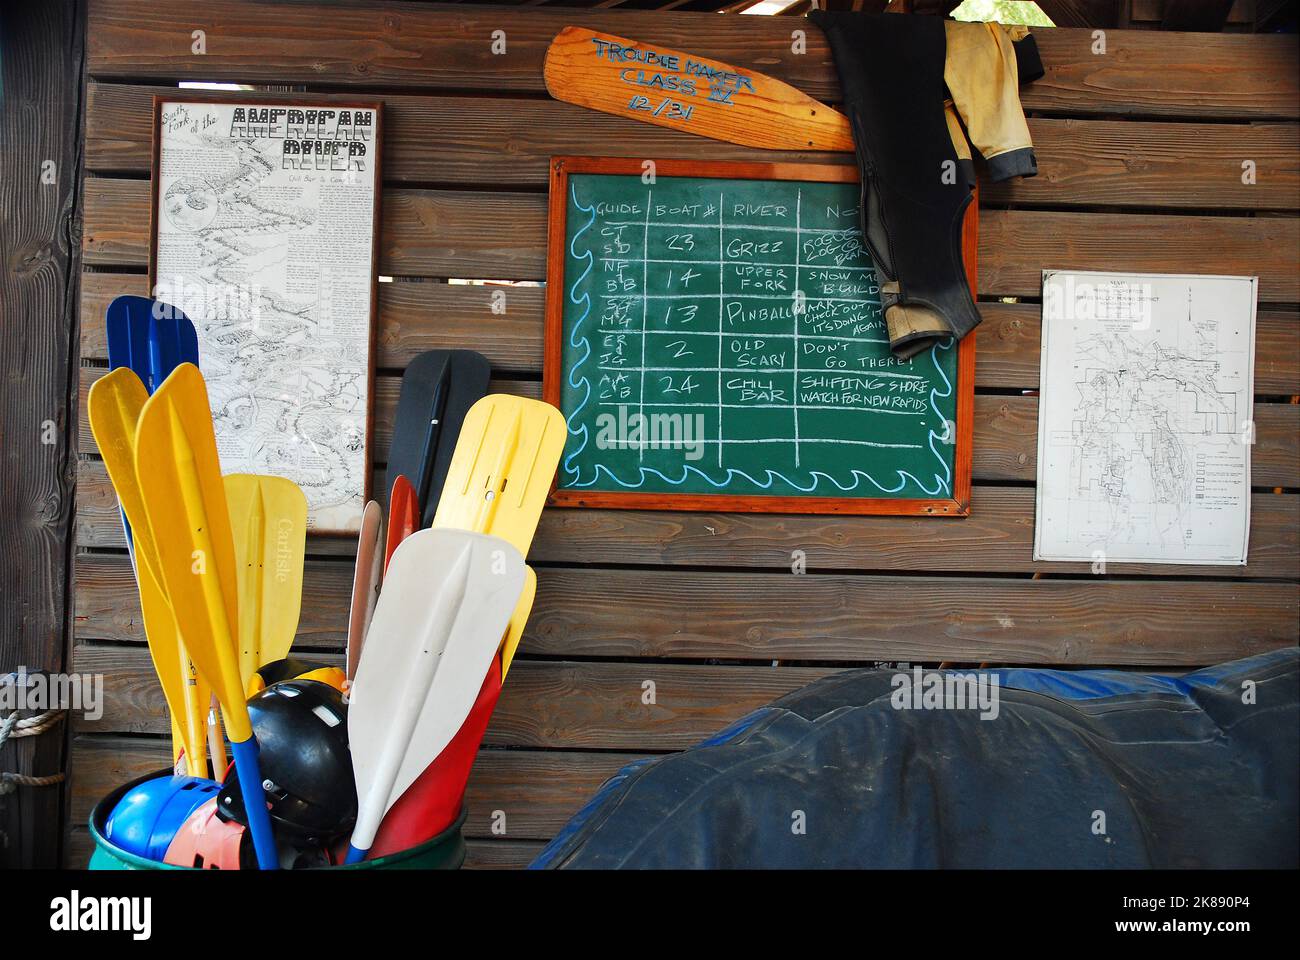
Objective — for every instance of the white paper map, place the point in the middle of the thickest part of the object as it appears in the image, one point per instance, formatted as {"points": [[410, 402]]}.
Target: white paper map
{"points": [[1144, 420], [264, 238]]}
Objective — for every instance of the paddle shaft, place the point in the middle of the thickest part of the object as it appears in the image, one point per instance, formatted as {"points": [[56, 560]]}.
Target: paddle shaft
{"points": [[259, 819], [232, 704], [431, 434], [216, 742], [250, 591]]}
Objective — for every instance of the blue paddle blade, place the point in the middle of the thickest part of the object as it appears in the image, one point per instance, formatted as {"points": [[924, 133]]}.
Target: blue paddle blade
{"points": [[151, 337]]}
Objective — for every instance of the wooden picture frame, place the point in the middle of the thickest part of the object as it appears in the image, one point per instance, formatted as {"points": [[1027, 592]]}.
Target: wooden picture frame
{"points": [[350, 522], [958, 505]]}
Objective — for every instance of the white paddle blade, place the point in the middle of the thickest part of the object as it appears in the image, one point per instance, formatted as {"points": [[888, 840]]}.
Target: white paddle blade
{"points": [[447, 598]]}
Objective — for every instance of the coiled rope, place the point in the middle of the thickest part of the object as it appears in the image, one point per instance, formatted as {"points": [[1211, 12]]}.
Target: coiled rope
{"points": [[12, 726]]}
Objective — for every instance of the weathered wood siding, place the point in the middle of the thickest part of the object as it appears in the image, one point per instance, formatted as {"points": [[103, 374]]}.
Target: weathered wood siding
{"points": [[1140, 152], [42, 53]]}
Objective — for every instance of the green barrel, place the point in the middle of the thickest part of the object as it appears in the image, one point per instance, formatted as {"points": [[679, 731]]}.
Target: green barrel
{"points": [[446, 851]]}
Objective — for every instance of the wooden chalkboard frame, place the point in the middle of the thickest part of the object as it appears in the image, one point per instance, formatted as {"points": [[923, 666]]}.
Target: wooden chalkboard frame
{"points": [[561, 167]]}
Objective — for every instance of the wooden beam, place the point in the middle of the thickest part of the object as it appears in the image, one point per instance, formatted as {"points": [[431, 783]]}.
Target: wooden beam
{"points": [[501, 236], [926, 8], [42, 55], [589, 703], [437, 47], [1116, 163], [997, 538], [538, 789], [1199, 16], [1274, 15], [1082, 13], [414, 317]]}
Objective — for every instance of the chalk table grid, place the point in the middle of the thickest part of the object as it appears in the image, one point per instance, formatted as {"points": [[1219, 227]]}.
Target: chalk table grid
{"points": [[752, 311]]}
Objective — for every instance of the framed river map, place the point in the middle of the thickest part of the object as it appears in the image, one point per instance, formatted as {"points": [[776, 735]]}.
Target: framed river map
{"points": [[265, 219]]}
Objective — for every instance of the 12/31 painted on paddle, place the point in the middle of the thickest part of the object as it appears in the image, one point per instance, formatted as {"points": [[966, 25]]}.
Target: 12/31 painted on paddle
{"points": [[669, 108]]}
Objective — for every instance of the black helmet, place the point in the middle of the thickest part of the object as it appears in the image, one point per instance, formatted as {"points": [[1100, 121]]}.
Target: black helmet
{"points": [[302, 734]]}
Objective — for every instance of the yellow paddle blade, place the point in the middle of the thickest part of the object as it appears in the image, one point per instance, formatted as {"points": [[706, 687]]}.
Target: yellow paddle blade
{"points": [[500, 475], [518, 620], [268, 520], [331, 676], [185, 500], [170, 661], [113, 407], [501, 471]]}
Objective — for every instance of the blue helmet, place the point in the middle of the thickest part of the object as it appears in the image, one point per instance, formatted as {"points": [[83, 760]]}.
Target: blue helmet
{"points": [[147, 817]]}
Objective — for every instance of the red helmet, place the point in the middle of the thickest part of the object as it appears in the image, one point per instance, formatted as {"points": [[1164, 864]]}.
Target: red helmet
{"points": [[206, 841]]}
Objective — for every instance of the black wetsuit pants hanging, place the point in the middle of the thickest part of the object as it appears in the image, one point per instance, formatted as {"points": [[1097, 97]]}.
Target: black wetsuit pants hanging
{"points": [[917, 176]]}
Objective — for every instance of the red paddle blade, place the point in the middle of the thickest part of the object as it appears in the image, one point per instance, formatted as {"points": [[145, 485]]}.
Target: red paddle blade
{"points": [[403, 516], [430, 805]]}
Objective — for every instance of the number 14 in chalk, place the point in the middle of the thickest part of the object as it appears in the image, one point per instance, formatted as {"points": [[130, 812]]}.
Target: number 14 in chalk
{"points": [[669, 108]]}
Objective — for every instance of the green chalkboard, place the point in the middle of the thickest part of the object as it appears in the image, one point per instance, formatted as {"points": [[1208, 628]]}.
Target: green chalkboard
{"points": [[722, 337]]}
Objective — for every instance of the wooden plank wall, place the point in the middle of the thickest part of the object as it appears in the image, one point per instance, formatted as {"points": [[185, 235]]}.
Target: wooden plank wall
{"points": [[1140, 151], [42, 53]]}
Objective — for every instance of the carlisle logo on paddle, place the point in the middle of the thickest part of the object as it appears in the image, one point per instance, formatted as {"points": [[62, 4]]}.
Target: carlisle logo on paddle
{"points": [[75, 913], [283, 551]]}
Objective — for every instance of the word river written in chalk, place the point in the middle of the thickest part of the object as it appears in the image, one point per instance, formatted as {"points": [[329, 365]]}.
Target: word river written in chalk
{"points": [[725, 336]]}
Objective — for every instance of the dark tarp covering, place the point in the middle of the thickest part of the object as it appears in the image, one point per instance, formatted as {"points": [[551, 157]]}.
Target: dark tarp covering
{"points": [[1192, 771]]}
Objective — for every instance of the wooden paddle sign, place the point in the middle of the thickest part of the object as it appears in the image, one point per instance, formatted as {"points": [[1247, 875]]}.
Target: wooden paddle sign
{"points": [[686, 92]]}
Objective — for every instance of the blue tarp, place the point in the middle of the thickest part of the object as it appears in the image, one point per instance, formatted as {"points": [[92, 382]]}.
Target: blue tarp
{"points": [[1053, 768]]}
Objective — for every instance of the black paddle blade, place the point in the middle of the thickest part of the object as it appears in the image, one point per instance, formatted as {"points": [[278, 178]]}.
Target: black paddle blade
{"points": [[438, 388]]}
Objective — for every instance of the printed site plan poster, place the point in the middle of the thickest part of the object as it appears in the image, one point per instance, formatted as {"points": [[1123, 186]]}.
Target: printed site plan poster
{"points": [[265, 223], [1144, 422]]}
